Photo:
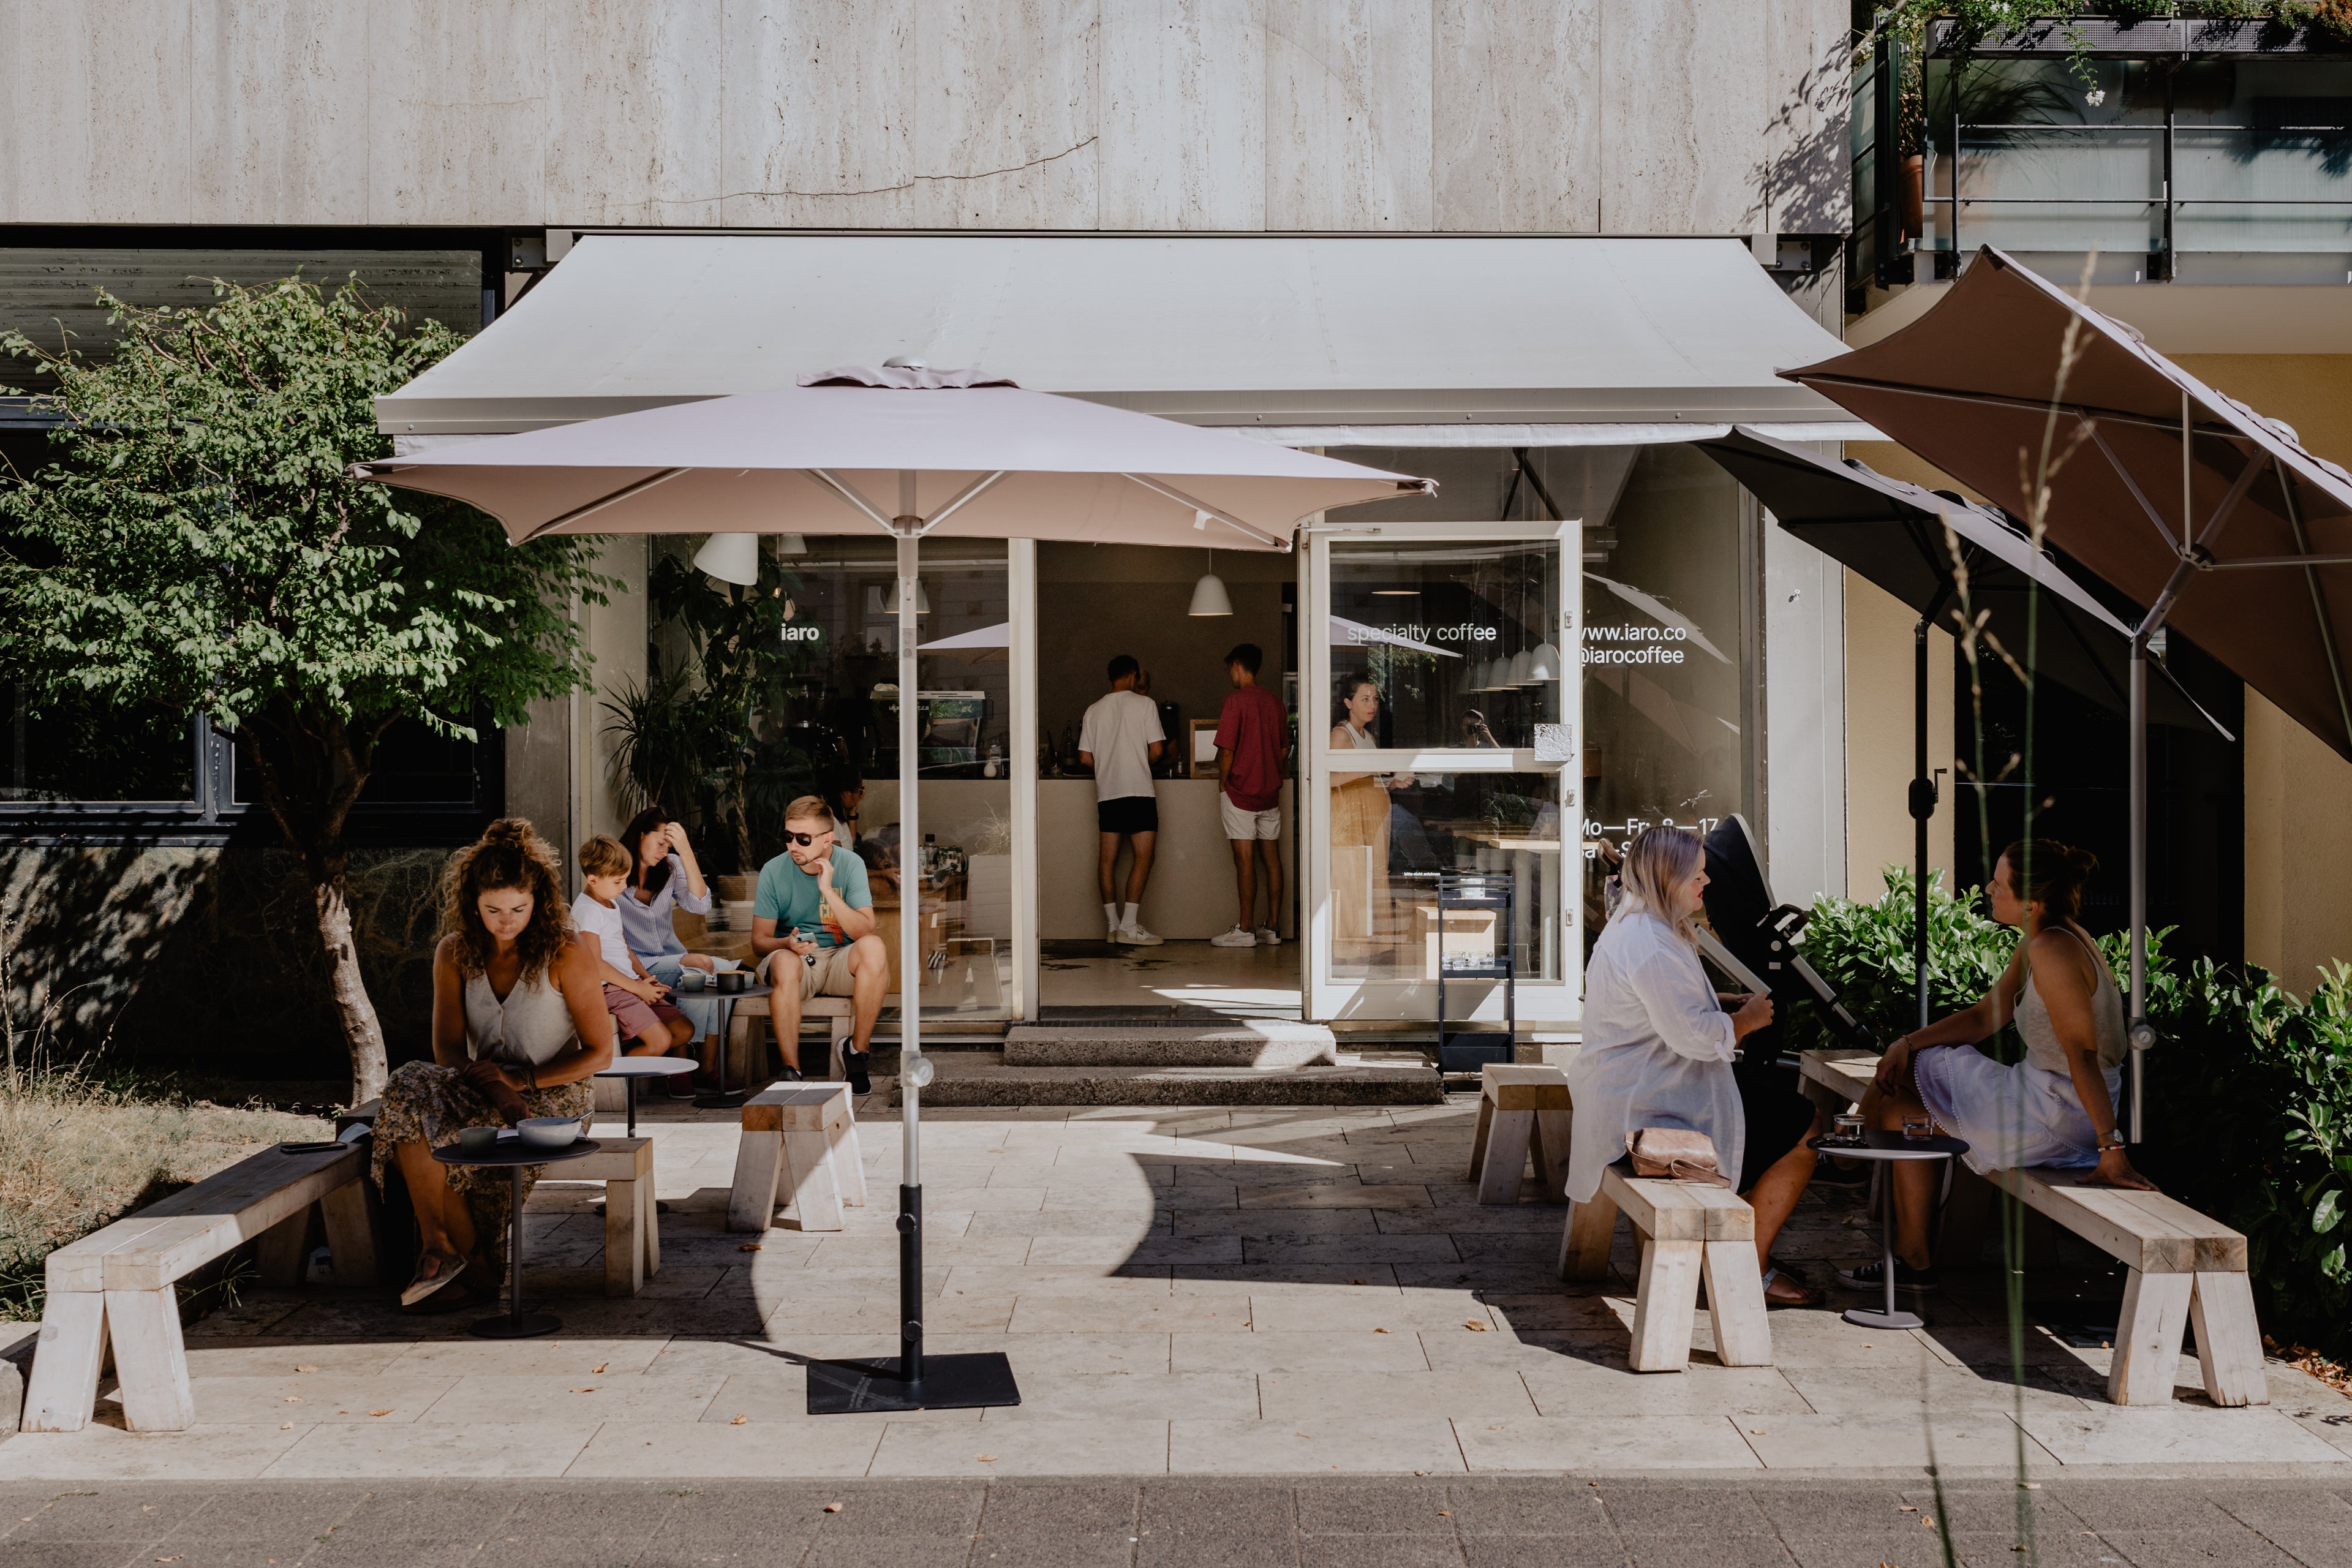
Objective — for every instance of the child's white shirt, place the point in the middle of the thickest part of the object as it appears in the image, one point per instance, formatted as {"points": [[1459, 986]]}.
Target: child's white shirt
{"points": [[603, 922]]}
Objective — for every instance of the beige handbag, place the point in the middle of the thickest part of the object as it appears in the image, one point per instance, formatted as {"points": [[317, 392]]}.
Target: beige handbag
{"points": [[1674, 1154]]}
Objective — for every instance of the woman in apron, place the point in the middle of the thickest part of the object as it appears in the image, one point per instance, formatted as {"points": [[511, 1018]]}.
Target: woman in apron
{"points": [[1363, 925]]}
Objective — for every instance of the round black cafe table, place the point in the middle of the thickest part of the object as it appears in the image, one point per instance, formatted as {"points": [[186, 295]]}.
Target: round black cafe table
{"points": [[511, 1153], [1882, 1148], [630, 1069]]}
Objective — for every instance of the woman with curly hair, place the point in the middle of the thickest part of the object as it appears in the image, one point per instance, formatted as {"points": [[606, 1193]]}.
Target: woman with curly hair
{"points": [[519, 1027]]}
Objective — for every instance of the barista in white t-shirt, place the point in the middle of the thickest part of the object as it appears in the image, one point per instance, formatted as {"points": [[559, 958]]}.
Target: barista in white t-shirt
{"points": [[1120, 739]]}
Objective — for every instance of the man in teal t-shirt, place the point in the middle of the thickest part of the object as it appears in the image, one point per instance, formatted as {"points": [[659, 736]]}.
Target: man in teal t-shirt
{"points": [[813, 914]]}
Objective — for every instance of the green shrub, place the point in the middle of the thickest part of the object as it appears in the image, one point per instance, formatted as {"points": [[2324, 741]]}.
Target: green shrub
{"points": [[2249, 1114], [1864, 952]]}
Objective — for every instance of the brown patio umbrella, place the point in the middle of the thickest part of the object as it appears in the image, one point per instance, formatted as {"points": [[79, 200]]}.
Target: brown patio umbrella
{"points": [[2210, 515]]}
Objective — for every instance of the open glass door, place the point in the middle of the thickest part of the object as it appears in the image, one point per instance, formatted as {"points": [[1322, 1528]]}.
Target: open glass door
{"points": [[1437, 733]]}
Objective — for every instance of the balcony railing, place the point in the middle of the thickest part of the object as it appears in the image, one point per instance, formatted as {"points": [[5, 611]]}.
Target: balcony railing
{"points": [[2195, 169]]}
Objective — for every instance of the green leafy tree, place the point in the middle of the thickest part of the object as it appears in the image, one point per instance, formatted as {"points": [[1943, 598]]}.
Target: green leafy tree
{"points": [[196, 547]]}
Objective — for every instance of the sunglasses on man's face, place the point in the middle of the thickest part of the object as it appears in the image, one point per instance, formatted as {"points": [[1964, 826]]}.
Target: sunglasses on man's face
{"points": [[805, 839]]}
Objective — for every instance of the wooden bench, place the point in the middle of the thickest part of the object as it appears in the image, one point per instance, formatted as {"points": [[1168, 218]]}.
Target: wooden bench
{"points": [[1522, 1111], [2182, 1267], [118, 1286], [809, 1129], [1688, 1233], [746, 1061]]}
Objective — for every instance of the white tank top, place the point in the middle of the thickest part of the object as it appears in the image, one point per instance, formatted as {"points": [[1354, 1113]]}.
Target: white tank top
{"points": [[2042, 1046], [530, 1028]]}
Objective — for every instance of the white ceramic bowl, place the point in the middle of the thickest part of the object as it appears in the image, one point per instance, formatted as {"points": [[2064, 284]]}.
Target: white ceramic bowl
{"points": [[549, 1131]]}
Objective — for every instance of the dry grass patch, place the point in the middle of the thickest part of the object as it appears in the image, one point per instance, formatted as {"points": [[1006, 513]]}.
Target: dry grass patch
{"points": [[76, 1154]]}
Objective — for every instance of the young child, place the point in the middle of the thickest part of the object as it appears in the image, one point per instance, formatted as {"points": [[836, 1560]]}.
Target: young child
{"points": [[653, 1026]]}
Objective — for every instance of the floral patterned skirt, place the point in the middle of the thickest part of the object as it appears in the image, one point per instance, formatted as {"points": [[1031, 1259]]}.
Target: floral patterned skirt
{"points": [[425, 1102]]}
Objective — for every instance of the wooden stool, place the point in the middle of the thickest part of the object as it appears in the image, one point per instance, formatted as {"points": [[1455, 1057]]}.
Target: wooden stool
{"points": [[1688, 1231], [810, 1128], [1521, 1110]]}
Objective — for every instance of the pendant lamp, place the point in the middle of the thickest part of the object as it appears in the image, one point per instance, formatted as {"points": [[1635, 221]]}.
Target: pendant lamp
{"points": [[1209, 596], [1519, 673], [730, 558], [1544, 663]]}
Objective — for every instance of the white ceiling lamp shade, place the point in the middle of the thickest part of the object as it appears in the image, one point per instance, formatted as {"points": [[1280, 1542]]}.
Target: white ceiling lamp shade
{"points": [[730, 558], [1490, 676], [1544, 663], [1209, 595], [791, 544], [1520, 671]]}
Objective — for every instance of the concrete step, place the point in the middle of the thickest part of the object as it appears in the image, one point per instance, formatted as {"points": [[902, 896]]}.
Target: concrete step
{"points": [[1239, 1044], [1385, 1077]]}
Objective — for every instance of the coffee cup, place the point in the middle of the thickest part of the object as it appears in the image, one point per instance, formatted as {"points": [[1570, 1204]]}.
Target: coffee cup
{"points": [[477, 1139], [692, 980]]}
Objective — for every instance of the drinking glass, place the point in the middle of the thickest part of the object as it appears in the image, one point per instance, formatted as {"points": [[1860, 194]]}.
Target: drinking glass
{"points": [[1919, 1128], [1848, 1128]]}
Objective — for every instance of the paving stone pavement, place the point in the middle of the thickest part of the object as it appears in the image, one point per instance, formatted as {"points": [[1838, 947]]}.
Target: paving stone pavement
{"points": [[1099, 1522], [1183, 1292]]}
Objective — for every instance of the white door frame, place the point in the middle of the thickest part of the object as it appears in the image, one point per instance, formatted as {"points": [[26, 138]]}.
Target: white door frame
{"points": [[1021, 681], [1540, 1002]]}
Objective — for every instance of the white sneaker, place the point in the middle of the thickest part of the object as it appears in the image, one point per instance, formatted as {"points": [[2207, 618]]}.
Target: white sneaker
{"points": [[1135, 936], [1239, 936], [1269, 937]]}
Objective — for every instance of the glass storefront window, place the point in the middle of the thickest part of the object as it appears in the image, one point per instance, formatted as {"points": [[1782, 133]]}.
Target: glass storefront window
{"points": [[1665, 688], [1459, 639], [791, 688], [1393, 834]]}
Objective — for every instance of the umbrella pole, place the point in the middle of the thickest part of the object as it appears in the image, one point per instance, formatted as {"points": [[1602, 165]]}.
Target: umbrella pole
{"points": [[913, 1071], [1923, 806], [911, 1382], [2138, 726]]}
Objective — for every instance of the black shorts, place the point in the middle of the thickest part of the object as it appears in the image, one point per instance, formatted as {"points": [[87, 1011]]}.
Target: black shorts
{"points": [[1778, 1114], [1129, 814]]}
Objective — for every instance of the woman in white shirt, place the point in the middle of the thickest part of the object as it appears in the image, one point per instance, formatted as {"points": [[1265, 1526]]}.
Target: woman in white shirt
{"points": [[1658, 1045]]}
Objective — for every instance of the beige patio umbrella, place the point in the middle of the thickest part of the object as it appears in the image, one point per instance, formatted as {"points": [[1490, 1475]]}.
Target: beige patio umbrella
{"points": [[2213, 517], [911, 452]]}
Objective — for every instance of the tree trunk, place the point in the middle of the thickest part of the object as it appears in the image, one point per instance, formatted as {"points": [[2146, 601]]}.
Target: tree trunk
{"points": [[362, 1031]]}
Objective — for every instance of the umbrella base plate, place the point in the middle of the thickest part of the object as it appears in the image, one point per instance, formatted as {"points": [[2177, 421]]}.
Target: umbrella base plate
{"points": [[950, 1383]]}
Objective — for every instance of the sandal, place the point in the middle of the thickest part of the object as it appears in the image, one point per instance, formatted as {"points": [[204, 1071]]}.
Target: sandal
{"points": [[467, 1294], [1780, 1290], [423, 1286]]}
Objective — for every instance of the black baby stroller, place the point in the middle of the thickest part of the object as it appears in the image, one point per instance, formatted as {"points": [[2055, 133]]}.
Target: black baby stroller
{"points": [[1755, 940]]}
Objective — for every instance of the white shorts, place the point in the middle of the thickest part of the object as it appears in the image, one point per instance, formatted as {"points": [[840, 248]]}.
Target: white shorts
{"points": [[1240, 824]]}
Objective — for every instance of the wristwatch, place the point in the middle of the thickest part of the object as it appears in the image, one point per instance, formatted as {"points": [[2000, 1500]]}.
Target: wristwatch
{"points": [[2115, 1147]]}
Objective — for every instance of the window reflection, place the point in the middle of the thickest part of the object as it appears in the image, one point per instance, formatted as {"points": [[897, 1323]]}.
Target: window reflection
{"points": [[1391, 834], [1664, 687], [791, 688], [1460, 638]]}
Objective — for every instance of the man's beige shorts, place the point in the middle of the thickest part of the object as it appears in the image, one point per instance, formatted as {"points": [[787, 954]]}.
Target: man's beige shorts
{"points": [[825, 972]]}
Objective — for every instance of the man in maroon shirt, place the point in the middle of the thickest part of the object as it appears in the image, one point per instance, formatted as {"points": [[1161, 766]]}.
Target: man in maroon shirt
{"points": [[1253, 744]]}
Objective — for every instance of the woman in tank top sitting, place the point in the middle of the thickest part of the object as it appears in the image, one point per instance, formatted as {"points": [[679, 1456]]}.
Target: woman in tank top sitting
{"points": [[519, 1027], [2057, 1107]]}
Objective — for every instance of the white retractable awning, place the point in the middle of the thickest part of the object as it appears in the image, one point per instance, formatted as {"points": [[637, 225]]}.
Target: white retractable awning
{"points": [[1352, 334]]}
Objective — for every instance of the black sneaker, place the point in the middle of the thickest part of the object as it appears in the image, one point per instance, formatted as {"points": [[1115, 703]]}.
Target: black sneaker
{"points": [[788, 1075], [1907, 1279], [855, 1066]]}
